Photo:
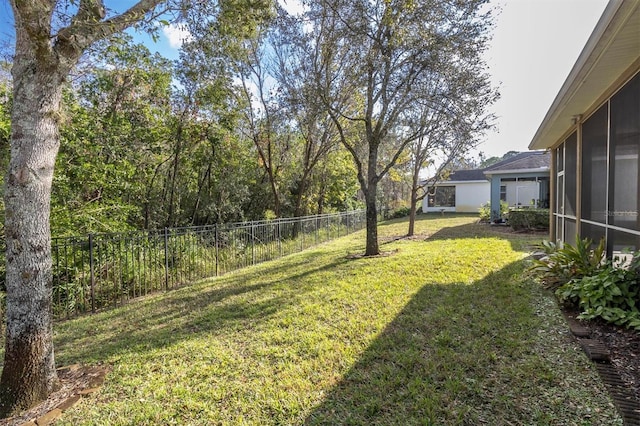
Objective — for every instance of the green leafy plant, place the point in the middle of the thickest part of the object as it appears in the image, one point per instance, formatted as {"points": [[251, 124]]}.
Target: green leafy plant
{"points": [[610, 294], [565, 263], [400, 212], [529, 219], [485, 210]]}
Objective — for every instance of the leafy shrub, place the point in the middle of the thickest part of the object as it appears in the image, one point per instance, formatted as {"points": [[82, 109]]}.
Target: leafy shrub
{"points": [[270, 215], [565, 263], [485, 210], [400, 212], [610, 294], [600, 288], [529, 219]]}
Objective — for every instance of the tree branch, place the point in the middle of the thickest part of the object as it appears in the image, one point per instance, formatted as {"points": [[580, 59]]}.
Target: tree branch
{"points": [[87, 26]]}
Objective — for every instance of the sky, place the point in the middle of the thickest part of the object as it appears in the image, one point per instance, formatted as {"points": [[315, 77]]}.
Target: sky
{"points": [[534, 47]]}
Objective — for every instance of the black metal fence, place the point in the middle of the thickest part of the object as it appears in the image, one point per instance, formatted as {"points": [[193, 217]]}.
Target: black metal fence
{"points": [[102, 270]]}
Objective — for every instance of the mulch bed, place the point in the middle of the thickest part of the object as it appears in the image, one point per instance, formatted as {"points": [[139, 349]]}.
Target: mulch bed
{"points": [[624, 351]]}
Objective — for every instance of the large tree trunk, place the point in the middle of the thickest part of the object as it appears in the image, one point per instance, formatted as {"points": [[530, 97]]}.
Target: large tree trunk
{"points": [[372, 248], [412, 212], [414, 202], [42, 61], [29, 373]]}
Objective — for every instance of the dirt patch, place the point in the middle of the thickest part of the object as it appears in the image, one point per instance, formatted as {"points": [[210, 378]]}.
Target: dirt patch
{"points": [[76, 381]]}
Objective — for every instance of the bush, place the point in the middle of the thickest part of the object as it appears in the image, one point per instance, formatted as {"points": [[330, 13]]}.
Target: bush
{"points": [[400, 212], [485, 210], [529, 219], [610, 294], [599, 288], [566, 263]]}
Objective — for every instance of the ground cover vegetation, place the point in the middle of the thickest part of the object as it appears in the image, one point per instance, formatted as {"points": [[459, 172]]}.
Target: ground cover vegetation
{"points": [[242, 126], [600, 288], [443, 328]]}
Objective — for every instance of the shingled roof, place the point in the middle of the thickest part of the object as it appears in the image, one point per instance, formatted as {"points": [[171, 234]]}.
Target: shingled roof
{"points": [[529, 160], [534, 160], [466, 175]]}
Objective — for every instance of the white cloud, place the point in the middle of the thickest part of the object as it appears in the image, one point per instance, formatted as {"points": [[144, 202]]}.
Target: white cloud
{"points": [[176, 34]]}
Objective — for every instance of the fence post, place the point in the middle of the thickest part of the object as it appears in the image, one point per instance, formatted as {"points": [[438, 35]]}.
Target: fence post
{"points": [[91, 274], [253, 244], [216, 243], [301, 234], [280, 237], [166, 258]]}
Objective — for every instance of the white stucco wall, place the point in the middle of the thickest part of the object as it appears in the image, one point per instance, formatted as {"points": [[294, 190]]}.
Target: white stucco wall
{"points": [[469, 197]]}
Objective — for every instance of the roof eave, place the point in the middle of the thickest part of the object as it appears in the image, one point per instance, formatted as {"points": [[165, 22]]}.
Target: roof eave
{"points": [[516, 171]]}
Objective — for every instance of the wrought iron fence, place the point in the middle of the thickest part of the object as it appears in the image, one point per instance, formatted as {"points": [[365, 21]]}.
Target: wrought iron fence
{"points": [[102, 270]]}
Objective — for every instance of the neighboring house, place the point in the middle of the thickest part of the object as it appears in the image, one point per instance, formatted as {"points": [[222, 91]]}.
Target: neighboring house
{"points": [[593, 131], [521, 181], [463, 192]]}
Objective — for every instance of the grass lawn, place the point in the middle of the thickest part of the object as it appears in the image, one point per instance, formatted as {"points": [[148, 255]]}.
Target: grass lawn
{"points": [[443, 330]]}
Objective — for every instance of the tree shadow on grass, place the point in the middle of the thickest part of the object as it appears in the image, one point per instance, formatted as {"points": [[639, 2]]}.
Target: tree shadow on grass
{"points": [[450, 357], [235, 300], [518, 241]]}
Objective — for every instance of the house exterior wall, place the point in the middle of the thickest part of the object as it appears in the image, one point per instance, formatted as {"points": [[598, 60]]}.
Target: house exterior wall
{"points": [[469, 197], [596, 174]]}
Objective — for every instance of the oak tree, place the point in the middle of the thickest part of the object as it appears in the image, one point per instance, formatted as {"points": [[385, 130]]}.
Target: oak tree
{"points": [[50, 38], [374, 62]]}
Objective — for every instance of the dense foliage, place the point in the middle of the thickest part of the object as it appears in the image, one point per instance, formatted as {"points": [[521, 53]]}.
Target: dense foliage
{"points": [[264, 115], [529, 219], [140, 151], [485, 210], [583, 278]]}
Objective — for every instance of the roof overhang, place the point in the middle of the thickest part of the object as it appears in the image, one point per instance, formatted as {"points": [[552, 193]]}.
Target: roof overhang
{"points": [[457, 182], [539, 170], [612, 49]]}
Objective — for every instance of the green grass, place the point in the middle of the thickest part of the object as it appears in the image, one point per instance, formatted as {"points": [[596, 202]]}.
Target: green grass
{"points": [[443, 330]]}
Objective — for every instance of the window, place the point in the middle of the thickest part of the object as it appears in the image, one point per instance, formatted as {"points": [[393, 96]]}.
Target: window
{"points": [[570, 177], [560, 195], [594, 166], [543, 201], [610, 178], [624, 149], [503, 192], [570, 231], [443, 196], [619, 242], [560, 158], [594, 232]]}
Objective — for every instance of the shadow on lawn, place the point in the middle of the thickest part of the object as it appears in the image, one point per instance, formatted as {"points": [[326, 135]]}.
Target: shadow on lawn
{"points": [[199, 308], [430, 363], [519, 241]]}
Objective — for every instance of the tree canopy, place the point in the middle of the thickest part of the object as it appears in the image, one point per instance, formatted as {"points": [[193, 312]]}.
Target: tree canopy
{"points": [[264, 114]]}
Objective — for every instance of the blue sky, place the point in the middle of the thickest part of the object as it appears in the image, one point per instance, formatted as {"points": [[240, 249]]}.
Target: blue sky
{"points": [[535, 44]]}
